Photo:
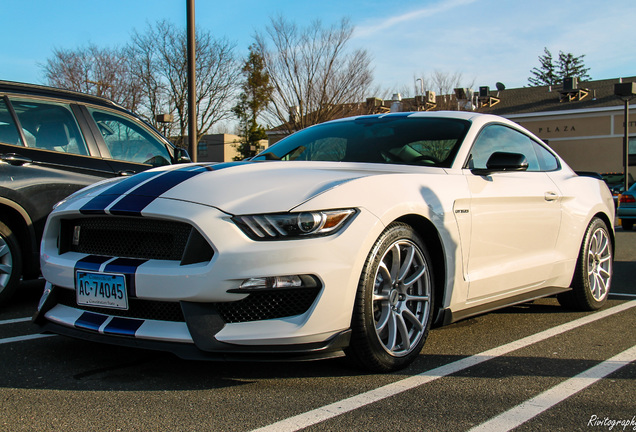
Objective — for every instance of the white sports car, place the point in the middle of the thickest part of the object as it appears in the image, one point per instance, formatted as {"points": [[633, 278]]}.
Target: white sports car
{"points": [[352, 236]]}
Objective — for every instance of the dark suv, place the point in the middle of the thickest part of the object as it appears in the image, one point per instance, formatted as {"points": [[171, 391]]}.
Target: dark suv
{"points": [[52, 143]]}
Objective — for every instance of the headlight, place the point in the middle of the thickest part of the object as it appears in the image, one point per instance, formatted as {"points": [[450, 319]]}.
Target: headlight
{"points": [[283, 226]]}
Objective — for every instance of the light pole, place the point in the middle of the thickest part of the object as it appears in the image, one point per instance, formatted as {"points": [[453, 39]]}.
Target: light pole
{"points": [[192, 89], [626, 92]]}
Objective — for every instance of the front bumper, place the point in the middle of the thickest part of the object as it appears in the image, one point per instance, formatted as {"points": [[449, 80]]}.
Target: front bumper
{"points": [[193, 338], [335, 262]]}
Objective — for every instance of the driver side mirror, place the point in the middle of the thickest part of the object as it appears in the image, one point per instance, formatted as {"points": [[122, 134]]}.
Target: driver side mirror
{"points": [[503, 161]]}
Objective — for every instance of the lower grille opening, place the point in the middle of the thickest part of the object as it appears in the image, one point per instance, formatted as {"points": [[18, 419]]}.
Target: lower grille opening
{"points": [[255, 307]]}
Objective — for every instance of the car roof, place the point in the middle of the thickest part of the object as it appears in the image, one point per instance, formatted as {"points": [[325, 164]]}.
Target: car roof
{"points": [[40, 90], [462, 115]]}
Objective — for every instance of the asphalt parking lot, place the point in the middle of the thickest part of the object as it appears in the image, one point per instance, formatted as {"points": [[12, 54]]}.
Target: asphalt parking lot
{"points": [[524, 368]]}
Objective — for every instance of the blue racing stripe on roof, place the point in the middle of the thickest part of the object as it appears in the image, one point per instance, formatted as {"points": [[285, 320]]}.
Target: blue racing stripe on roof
{"points": [[98, 204]]}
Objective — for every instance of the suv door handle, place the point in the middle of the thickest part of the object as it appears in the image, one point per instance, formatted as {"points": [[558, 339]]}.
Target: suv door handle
{"points": [[551, 196], [15, 159], [126, 173]]}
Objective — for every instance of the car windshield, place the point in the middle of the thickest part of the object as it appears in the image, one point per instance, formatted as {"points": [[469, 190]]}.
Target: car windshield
{"points": [[376, 139]]}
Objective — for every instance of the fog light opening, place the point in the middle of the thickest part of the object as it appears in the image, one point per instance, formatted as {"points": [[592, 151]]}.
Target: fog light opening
{"points": [[278, 282]]}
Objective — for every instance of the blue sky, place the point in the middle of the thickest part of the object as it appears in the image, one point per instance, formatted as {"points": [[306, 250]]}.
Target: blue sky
{"points": [[484, 40]]}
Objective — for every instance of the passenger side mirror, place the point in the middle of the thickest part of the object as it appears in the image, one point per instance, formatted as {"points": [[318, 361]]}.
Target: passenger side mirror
{"points": [[503, 161], [181, 155]]}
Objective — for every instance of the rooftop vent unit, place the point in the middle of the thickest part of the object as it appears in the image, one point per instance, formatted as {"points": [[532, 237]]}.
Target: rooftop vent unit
{"points": [[571, 92], [396, 104], [376, 106], [426, 102], [465, 100], [485, 99]]}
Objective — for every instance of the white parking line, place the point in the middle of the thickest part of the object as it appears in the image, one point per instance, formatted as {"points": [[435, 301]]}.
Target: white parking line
{"points": [[335, 409], [24, 338], [16, 320], [535, 406]]}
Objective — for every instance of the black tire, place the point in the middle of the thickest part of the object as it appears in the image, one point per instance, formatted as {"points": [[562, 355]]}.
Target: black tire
{"points": [[394, 302], [593, 273], [627, 224], [10, 263]]}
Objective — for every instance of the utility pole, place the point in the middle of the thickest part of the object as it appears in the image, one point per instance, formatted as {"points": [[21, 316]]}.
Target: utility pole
{"points": [[192, 87]]}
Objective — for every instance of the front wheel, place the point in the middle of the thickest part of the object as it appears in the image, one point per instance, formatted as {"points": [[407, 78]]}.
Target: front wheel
{"points": [[593, 273], [393, 309], [10, 263]]}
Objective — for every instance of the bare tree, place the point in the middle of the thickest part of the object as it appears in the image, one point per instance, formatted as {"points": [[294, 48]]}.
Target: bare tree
{"points": [[161, 58], [314, 77], [102, 72]]}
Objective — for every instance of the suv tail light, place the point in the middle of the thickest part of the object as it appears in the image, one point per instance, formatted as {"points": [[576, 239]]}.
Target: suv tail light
{"points": [[627, 199]]}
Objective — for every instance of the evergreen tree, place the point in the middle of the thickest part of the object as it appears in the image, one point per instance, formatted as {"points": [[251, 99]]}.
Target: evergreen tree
{"points": [[552, 73], [254, 98], [546, 73], [569, 66]]}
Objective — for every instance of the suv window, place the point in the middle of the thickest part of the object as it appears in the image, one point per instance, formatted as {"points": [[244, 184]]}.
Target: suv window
{"points": [[49, 126], [494, 138], [8, 129], [128, 141]]}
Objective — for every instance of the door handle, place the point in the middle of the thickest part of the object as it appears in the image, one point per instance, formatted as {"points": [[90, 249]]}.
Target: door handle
{"points": [[551, 196], [15, 159], [126, 173]]}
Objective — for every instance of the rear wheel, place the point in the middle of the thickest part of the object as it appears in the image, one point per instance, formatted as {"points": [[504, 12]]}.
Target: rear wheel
{"points": [[10, 263], [393, 309], [593, 274], [627, 224]]}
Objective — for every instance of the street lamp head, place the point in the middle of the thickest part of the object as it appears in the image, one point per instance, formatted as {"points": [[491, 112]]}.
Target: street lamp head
{"points": [[625, 91]]}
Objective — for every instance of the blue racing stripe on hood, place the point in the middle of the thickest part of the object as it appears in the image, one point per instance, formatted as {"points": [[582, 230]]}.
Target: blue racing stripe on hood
{"points": [[134, 203], [98, 204]]}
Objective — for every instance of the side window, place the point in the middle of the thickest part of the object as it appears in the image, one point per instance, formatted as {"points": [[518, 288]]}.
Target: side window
{"points": [[494, 138], [49, 126], [547, 161], [129, 141], [8, 129]]}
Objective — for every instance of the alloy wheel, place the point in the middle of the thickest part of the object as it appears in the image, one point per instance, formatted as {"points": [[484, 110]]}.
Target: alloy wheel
{"points": [[401, 298]]}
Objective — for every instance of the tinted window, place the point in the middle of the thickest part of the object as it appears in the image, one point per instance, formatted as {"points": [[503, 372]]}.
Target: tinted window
{"points": [[49, 126], [499, 138], [8, 130], [129, 141], [388, 139], [547, 161]]}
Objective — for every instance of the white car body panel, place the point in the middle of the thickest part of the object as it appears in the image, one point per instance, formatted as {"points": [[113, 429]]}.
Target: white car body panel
{"points": [[502, 235]]}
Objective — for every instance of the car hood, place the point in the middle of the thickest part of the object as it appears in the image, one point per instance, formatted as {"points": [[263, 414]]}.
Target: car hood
{"points": [[234, 188], [272, 186]]}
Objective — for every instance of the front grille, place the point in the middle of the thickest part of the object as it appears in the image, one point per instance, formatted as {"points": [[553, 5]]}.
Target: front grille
{"points": [[141, 238], [255, 307]]}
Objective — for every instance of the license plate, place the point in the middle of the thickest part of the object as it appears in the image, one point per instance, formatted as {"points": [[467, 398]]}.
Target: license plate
{"points": [[106, 290]]}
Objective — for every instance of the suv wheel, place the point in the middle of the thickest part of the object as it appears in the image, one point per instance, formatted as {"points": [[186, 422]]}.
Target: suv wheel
{"points": [[10, 263]]}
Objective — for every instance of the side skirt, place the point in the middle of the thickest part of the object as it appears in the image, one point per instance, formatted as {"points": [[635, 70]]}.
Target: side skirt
{"points": [[447, 316]]}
